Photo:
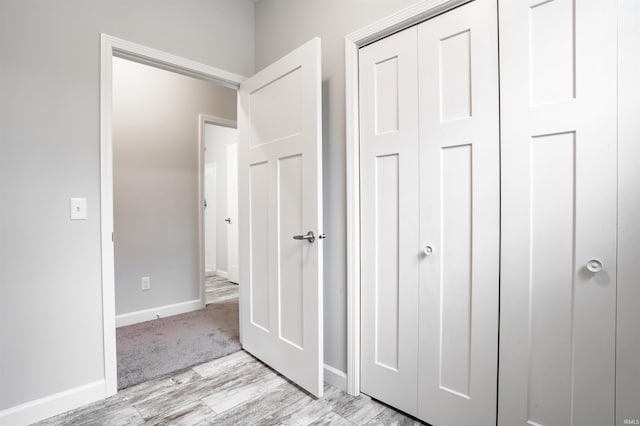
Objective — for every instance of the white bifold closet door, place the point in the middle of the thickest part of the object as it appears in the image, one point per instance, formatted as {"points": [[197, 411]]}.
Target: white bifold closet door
{"points": [[558, 279], [430, 217], [390, 237], [459, 216]]}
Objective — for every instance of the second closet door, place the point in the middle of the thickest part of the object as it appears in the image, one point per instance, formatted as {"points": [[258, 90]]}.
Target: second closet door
{"points": [[459, 216]]}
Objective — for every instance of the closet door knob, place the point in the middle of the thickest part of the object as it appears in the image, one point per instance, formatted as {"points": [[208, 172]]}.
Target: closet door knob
{"points": [[594, 265], [427, 250]]}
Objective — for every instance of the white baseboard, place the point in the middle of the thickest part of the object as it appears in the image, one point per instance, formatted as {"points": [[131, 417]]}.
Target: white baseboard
{"points": [[222, 274], [159, 312], [335, 377], [52, 405]]}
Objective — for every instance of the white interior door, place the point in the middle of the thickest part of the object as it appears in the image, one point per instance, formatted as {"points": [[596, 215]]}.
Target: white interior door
{"points": [[232, 213], [280, 197], [390, 239], [558, 279], [210, 223], [460, 216]]}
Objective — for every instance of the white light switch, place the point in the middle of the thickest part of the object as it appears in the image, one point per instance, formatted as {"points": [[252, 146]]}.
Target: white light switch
{"points": [[78, 208]]}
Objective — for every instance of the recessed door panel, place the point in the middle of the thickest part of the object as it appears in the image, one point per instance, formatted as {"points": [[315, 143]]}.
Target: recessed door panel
{"points": [[276, 108], [290, 251], [551, 63], [455, 76], [386, 96], [386, 287], [551, 285], [259, 245], [457, 267]]}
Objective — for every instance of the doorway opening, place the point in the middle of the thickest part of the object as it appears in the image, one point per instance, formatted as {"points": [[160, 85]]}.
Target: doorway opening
{"points": [[158, 154], [153, 269], [220, 144]]}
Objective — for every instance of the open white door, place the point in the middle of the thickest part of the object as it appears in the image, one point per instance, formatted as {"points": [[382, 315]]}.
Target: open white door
{"points": [[280, 197], [232, 213]]}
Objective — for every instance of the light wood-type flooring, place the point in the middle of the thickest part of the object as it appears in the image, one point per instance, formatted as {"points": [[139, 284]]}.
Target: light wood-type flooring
{"points": [[234, 390], [217, 289]]}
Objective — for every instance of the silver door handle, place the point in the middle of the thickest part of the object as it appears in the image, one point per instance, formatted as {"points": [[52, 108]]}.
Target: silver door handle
{"points": [[594, 265], [309, 237], [228, 220]]}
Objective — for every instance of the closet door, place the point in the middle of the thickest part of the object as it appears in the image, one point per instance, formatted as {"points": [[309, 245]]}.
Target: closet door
{"points": [[558, 278], [460, 216], [389, 234]]}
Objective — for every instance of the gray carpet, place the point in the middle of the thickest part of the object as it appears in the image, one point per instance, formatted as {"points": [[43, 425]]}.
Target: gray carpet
{"points": [[154, 348]]}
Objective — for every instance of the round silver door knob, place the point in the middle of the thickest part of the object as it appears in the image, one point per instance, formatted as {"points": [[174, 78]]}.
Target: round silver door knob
{"points": [[594, 265], [427, 250]]}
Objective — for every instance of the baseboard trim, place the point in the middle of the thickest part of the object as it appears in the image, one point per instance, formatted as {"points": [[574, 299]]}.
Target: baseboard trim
{"points": [[52, 405], [335, 377], [159, 312], [222, 274]]}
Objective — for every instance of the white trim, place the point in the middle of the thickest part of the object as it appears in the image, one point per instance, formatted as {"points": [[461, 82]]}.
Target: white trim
{"points": [[400, 20], [222, 274], [202, 120], [110, 46], [159, 312], [52, 405], [335, 377]]}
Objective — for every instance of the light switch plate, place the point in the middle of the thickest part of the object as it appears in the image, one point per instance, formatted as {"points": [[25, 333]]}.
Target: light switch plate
{"points": [[78, 208]]}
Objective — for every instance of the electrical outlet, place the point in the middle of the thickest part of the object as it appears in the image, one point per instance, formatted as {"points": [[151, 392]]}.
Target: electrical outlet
{"points": [[146, 283]]}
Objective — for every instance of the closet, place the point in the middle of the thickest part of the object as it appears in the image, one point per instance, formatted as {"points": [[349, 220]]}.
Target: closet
{"points": [[429, 165], [488, 215]]}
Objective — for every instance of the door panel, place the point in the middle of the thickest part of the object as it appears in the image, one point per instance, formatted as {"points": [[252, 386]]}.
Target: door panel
{"points": [[259, 287], [558, 115], [389, 203], [460, 216], [280, 196]]}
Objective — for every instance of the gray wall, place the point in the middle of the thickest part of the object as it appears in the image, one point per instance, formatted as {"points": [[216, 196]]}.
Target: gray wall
{"points": [[217, 138], [281, 26], [155, 181], [50, 282]]}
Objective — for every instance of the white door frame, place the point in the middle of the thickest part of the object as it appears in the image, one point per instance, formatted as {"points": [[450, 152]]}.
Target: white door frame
{"points": [[398, 21], [110, 47], [202, 120]]}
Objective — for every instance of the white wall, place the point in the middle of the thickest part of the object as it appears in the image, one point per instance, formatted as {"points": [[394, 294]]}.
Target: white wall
{"points": [[50, 279], [281, 26], [216, 139], [155, 181]]}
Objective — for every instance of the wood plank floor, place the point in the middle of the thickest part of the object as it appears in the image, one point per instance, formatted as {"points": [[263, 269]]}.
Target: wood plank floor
{"points": [[217, 289], [234, 390]]}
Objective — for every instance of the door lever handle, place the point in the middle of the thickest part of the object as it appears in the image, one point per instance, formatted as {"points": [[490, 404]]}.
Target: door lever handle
{"points": [[309, 237], [228, 220]]}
